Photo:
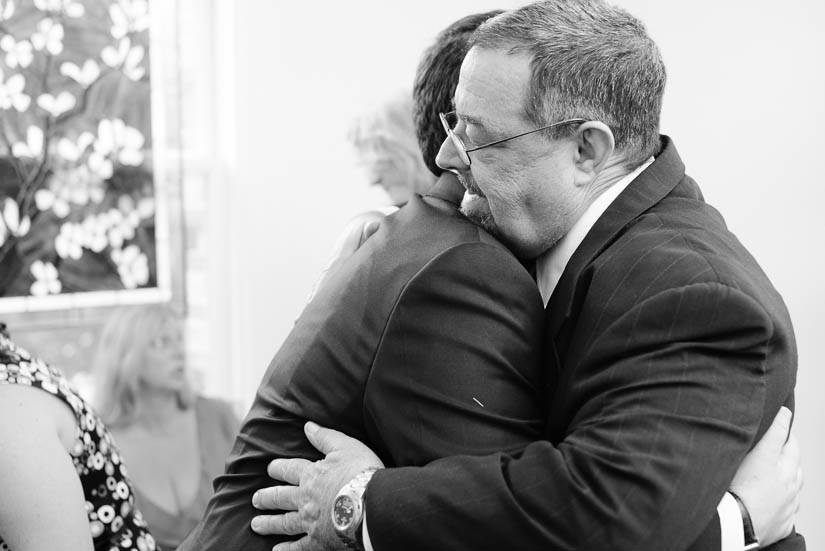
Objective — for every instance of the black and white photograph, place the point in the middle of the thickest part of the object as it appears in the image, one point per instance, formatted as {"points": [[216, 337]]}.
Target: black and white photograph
{"points": [[411, 276]]}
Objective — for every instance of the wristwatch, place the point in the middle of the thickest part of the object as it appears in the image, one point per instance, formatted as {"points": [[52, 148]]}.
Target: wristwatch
{"points": [[751, 541], [348, 510]]}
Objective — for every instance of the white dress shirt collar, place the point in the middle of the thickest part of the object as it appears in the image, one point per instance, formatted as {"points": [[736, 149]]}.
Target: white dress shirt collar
{"points": [[550, 265]]}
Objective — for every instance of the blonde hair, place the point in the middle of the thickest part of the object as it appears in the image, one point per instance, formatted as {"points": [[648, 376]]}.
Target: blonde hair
{"points": [[388, 132], [120, 357]]}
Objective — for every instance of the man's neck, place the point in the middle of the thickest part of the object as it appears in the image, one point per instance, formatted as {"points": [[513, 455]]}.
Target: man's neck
{"points": [[613, 172], [551, 264]]}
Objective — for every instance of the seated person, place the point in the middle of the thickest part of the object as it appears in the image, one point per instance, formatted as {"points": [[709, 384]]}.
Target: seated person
{"points": [[174, 441], [62, 480]]}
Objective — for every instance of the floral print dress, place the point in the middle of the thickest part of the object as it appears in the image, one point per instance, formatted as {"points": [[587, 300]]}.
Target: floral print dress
{"points": [[114, 522]]}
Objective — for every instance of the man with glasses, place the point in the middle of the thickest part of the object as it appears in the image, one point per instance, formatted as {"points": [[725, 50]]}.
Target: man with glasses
{"points": [[407, 346], [668, 351]]}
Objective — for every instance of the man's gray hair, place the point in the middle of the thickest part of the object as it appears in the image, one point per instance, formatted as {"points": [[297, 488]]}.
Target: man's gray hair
{"points": [[589, 60]]}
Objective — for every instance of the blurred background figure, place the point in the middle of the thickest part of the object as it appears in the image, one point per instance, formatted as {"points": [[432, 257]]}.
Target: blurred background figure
{"points": [[387, 149], [62, 480], [174, 441]]}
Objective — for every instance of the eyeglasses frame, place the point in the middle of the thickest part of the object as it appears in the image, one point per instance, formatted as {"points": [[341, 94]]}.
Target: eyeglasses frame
{"points": [[463, 152]]}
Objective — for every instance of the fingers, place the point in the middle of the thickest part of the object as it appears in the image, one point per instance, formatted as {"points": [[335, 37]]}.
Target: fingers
{"points": [[327, 440], [776, 435], [791, 458], [789, 463], [285, 498], [288, 470], [790, 470], [790, 451], [369, 228], [302, 544], [288, 523]]}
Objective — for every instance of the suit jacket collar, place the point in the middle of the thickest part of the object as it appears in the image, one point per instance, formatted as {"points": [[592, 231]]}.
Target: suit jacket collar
{"points": [[650, 187]]}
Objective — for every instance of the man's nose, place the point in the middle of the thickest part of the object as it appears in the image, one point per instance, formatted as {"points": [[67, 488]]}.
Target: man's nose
{"points": [[448, 158]]}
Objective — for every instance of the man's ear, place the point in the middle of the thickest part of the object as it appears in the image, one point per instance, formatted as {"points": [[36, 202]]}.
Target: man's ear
{"points": [[595, 148]]}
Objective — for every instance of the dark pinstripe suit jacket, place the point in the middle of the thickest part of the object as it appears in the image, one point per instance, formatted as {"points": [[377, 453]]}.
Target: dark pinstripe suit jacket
{"points": [[668, 353], [407, 348]]}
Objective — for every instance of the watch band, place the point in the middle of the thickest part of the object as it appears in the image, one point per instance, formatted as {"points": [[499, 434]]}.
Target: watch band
{"points": [[751, 541], [348, 510]]}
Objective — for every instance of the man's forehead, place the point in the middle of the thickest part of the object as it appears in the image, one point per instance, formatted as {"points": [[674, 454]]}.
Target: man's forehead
{"points": [[492, 87]]}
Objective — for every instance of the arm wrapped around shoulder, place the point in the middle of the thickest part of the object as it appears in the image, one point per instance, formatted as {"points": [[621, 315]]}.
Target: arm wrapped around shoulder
{"points": [[657, 414]]}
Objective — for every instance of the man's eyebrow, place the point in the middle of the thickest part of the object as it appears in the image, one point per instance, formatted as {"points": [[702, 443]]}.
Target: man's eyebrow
{"points": [[475, 121], [469, 119]]}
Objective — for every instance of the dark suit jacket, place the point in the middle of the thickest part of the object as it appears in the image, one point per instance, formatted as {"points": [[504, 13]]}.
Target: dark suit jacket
{"points": [[669, 353], [424, 345]]}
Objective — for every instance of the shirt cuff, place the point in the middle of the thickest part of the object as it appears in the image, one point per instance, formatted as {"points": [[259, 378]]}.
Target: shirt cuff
{"points": [[730, 524], [365, 535]]}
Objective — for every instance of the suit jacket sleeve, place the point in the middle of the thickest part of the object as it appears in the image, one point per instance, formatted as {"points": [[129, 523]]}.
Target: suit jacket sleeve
{"points": [[667, 402]]}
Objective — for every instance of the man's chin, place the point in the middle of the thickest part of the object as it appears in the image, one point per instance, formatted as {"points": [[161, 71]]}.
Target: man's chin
{"points": [[477, 210]]}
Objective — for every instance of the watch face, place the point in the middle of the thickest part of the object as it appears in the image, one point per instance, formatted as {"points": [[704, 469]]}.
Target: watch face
{"points": [[342, 512]]}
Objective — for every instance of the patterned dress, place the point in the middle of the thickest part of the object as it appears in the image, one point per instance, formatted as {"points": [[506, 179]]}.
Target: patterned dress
{"points": [[114, 521]]}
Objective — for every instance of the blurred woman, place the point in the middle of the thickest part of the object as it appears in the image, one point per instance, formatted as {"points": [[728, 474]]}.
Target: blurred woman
{"points": [[174, 442], [63, 485], [387, 149]]}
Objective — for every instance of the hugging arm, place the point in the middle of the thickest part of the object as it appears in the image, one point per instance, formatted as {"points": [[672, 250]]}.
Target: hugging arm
{"points": [[769, 477], [769, 482], [658, 424]]}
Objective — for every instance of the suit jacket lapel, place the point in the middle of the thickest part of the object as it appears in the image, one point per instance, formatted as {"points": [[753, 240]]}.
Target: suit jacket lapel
{"points": [[650, 187]]}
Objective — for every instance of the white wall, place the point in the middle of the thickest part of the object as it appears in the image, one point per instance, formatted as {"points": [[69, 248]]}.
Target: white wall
{"points": [[744, 104], [303, 72]]}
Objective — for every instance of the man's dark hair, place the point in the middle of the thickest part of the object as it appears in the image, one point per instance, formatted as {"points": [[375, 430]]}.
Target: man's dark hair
{"points": [[436, 80]]}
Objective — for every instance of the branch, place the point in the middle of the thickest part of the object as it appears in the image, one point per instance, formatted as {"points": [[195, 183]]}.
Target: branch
{"points": [[80, 106], [4, 135], [26, 206], [31, 185], [26, 193]]}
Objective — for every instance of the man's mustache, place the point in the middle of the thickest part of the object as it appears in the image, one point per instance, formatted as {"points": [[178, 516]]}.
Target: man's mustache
{"points": [[469, 184]]}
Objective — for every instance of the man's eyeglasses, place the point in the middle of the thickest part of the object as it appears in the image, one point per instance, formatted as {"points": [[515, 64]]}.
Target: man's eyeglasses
{"points": [[450, 121]]}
